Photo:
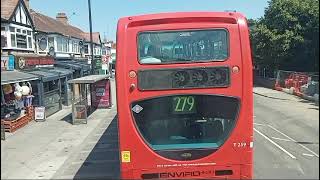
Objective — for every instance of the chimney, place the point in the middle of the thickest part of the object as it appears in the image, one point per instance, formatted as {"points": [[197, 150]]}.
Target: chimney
{"points": [[26, 2], [62, 17]]}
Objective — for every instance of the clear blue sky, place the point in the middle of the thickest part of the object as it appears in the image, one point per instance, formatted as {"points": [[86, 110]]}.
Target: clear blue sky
{"points": [[105, 13]]}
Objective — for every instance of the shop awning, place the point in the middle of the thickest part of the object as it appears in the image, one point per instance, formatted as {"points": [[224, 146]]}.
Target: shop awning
{"points": [[85, 66], [45, 75], [88, 79], [68, 65], [59, 70], [8, 77]]}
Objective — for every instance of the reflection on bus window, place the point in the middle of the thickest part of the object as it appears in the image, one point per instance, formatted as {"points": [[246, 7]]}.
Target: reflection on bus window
{"points": [[182, 46]]}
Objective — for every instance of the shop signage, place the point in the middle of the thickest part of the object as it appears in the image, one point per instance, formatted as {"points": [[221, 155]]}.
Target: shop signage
{"points": [[30, 62], [98, 63], [39, 113], [7, 63], [101, 94]]}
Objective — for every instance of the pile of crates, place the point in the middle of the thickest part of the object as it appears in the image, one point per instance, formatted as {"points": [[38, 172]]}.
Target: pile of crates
{"points": [[13, 125]]}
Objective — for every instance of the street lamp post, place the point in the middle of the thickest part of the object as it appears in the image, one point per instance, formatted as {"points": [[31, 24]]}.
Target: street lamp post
{"points": [[91, 44]]}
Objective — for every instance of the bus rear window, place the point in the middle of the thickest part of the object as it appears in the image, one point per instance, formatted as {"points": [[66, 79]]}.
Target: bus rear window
{"points": [[162, 47], [185, 121]]}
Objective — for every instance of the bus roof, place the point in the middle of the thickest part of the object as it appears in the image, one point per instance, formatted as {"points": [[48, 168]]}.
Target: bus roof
{"points": [[223, 17]]}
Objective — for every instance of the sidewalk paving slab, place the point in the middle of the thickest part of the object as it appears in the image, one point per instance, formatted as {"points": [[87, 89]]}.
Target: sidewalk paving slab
{"points": [[38, 150]]}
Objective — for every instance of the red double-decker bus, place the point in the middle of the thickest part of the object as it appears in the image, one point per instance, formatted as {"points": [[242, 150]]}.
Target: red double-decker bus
{"points": [[184, 96]]}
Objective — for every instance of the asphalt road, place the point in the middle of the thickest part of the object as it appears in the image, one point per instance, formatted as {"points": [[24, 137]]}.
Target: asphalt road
{"points": [[286, 145], [286, 137]]}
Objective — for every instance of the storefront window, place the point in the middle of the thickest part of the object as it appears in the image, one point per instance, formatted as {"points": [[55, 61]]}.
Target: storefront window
{"points": [[51, 85], [51, 98]]}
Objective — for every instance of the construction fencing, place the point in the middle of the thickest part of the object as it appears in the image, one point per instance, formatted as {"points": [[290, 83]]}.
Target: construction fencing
{"points": [[303, 84]]}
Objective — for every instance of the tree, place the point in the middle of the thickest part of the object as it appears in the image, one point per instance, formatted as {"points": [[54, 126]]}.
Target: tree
{"points": [[287, 37]]}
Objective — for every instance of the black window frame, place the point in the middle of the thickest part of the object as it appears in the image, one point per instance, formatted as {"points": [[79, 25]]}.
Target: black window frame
{"points": [[184, 30]]}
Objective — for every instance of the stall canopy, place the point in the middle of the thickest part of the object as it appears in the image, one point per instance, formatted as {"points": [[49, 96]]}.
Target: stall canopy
{"points": [[45, 75], [8, 77]]}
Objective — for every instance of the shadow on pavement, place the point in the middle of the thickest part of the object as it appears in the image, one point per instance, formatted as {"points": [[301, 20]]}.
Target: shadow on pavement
{"points": [[67, 118], [103, 160]]}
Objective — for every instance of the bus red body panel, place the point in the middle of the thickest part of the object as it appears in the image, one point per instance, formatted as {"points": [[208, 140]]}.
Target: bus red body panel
{"points": [[164, 128]]}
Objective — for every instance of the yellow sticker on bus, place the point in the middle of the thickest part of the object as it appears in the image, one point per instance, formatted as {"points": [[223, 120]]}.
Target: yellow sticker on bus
{"points": [[125, 156]]}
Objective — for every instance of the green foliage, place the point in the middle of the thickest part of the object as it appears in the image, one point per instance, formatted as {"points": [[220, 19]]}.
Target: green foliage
{"points": [[287, 37]]}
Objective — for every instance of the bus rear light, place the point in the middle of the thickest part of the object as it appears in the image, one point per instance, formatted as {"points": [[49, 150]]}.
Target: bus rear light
{"points": [[235, 69], [132, 74]]}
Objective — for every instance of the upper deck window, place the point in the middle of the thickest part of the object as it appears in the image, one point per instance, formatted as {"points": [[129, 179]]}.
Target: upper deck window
{"points": [[162, 47]]}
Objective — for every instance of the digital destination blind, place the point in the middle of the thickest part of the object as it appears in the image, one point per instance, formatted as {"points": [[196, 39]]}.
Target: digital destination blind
{"points": [[183, 105]]}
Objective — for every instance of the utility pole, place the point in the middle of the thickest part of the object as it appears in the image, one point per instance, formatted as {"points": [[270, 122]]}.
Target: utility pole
{"points": [[91, 44]]}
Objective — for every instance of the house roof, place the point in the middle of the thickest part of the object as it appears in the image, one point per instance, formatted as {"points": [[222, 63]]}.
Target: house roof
{"points": [[47, 24], [7, 8], [95, 37]]}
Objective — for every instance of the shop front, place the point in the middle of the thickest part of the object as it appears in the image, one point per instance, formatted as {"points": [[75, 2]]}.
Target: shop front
{"points": [[65, 75], [48, 91], [16, 95]]}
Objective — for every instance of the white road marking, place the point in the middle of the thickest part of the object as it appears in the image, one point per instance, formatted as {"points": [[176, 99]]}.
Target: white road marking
{"points": [[274, 143], [294, 141], [281, 139], [305, 154], [259, 124]]}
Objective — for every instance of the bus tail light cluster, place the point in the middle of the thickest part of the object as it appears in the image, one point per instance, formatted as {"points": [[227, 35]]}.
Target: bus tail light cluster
{"points": [[183, 78]]}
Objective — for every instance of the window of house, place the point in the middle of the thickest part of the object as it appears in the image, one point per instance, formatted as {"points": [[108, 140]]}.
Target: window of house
{"points": [[3, 28], [59, 44], [50, 42], [75, 47], [21, 41], [66, 45], [86, 49], [29, 42], [21, 38], [12, 29], [62, 44], [13, 40]]}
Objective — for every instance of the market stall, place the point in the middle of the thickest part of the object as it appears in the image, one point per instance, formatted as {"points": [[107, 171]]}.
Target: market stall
{"points": [[16, 99]]}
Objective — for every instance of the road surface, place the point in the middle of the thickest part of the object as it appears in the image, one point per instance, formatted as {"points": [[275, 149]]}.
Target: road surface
{"points": [[286, 145], [286, 133]]}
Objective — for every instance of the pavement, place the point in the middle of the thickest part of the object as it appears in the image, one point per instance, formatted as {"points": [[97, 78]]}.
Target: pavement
{"points": [[286, 143], [40, 149]]}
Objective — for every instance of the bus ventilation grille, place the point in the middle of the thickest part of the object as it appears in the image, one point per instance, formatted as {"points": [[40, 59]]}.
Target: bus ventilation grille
{"points": [[183, 78]]}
